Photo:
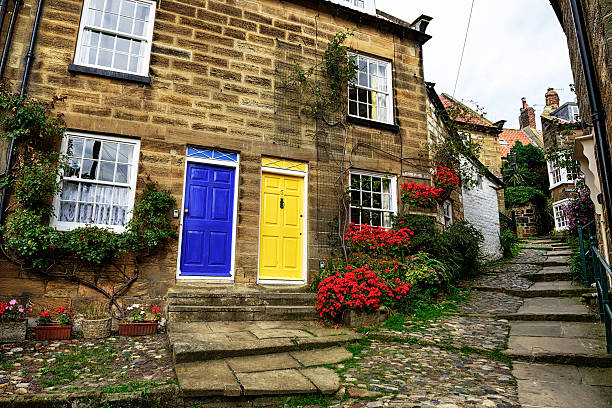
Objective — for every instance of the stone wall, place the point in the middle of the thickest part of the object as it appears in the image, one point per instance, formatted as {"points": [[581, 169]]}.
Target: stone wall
{"points": [[527, 220], [214, 83]]}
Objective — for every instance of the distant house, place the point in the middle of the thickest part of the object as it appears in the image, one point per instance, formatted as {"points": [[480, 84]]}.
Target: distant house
{"points": [[527, 134], [480, 202]]}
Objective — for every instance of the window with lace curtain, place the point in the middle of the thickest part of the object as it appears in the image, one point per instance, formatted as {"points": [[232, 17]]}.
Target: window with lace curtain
{"points": [[98, 187]]}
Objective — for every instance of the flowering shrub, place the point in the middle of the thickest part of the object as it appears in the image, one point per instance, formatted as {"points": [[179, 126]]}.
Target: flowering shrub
{"points": [[420, 195], [65, 315], [445, 178], [358, 289], [137, 313], [377, 240], [579, 209], [424, 270], [12, 311]]}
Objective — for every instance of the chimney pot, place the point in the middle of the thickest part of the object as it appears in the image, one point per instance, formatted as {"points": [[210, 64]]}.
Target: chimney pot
{"points": [[552, 98]]}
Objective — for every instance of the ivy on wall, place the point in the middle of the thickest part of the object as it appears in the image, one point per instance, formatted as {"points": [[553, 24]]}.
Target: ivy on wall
{"points": [[27, 238]]}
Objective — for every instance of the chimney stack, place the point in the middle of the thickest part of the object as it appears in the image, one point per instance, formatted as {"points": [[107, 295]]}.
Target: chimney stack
{"points": [[552, 98], [527, 116]]}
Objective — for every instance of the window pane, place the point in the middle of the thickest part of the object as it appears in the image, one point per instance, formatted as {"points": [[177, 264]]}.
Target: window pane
{"points": [[376, 201], [355, 198], [136, 47], [386, 221], [92, 149], [102, 214], [109, 151], [352, 108], [85, 213], [121, 62], [128, 8], [134, 64], [88, 170], [70, 191], [376, 221], [386, 201], [105, 58], [119, 214], [121, 195], [355, 215], [104, 194], [142, 12], [376, 184], [363, 110], [139, 28], [97, 4], [67, 211], [110, 21], [125, 153], [74, 168], [125, 25], [366, 199], [355, 181], [107, 171], [123, 175], [107, 41], [88, 192], [95, 18], [123, 45], [112, 6], [75, 147], [366, 183]]}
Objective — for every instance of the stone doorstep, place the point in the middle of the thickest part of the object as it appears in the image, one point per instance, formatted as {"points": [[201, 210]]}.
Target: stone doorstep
{"points": [[201, 350], [576, 330], [241, 299], [549, 274], [271, 374], [553, 289]]}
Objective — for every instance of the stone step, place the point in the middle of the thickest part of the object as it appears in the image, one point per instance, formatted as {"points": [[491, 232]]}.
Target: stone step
{"points": [[212, 340], [549, 274], [295, 372], [568, 309], [194, 313], [554, 289], [554, 261], [555, 350], [183, 298]]}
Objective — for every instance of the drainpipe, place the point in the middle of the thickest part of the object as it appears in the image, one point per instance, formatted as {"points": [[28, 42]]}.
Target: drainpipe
{"points": [[3, 7], [599, 114], [9, 37], [24, 83]]}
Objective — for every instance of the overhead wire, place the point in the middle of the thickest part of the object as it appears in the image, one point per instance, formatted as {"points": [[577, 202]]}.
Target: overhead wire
{"points": [[467, 30]]}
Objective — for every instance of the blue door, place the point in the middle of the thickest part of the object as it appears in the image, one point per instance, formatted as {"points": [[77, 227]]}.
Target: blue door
{"points": [[208, 216]]}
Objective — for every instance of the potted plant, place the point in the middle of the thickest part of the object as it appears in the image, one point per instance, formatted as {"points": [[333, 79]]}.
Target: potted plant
{"points": [[96, 323], [13, 324], [446, 180], [137, 323], [47, 330], [420, 195]]}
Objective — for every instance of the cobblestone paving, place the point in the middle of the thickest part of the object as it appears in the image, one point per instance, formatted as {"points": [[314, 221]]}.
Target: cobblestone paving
{"points": [[116, 364], [528, 255], [417, 376], [491, 303], [508, 277], [457, 331]]}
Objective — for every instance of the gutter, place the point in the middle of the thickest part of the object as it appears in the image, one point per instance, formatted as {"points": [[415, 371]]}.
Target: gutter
{"points": [[599, 114]]}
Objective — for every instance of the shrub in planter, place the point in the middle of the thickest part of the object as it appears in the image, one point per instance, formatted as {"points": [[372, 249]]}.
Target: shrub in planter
{"points": [[96, 323], [420, 195], [48, 330], [140, 322], [358, 289], [377, 240], [13, 324]]}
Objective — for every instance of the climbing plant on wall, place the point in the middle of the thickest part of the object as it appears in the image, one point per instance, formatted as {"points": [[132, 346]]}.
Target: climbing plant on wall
{"points": [[83, 255]]}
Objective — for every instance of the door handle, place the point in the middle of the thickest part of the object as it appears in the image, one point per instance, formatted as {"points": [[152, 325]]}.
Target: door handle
{"points": [[186, 211], [282, 203]]}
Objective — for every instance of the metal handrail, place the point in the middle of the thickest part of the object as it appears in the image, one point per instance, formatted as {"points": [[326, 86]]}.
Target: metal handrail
{"points": [[583, 251], [603, 277]]}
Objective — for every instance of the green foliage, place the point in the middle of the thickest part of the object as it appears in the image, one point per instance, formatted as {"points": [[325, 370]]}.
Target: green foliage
{"points": [[575, 260], [508, 241], [531, 170], [37, 183], [520, 195], [327, 96], [459, 248], [426, 271], [423, 227], [92, 245]]}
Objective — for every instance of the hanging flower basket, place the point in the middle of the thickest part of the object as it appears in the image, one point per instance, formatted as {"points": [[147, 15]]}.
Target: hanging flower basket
{"points": [[12, 332], [53, 332], [137, 329], [445, 180]]}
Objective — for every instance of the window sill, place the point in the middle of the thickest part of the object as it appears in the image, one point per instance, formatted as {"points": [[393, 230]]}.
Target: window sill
{"points": [[372, 123], [80, 69]]}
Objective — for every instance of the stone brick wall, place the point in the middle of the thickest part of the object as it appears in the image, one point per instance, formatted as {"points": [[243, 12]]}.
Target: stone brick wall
{"points": [[526, 220], [214, 72]]}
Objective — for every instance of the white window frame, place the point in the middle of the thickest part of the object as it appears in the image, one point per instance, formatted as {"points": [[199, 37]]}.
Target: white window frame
{"points": [[390, 117], [447, 213], [67, 226], [560, 217], [146, 39], [369, 6], [392, 190], [562, 178]]}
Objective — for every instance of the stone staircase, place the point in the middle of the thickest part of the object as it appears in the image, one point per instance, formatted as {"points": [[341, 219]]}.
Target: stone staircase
{"points": [[555, 339], [192, 302]]}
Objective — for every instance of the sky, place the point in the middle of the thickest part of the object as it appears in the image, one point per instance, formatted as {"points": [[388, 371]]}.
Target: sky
{"points": [[514, 49]]}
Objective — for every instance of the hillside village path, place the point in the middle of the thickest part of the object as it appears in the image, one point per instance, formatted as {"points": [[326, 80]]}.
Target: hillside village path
{"points": [[461, 359]]}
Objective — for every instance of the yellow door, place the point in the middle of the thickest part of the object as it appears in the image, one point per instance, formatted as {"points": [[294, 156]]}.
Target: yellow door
{"points": [[280, 239]]}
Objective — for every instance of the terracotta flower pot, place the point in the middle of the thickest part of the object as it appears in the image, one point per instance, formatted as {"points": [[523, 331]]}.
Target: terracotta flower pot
{"points": [[11, 332], [137, 329], [96, 329], [53, 332]]}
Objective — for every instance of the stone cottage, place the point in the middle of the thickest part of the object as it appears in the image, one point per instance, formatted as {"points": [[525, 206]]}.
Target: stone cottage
{"points": [[194, 94], [478, 203]]}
